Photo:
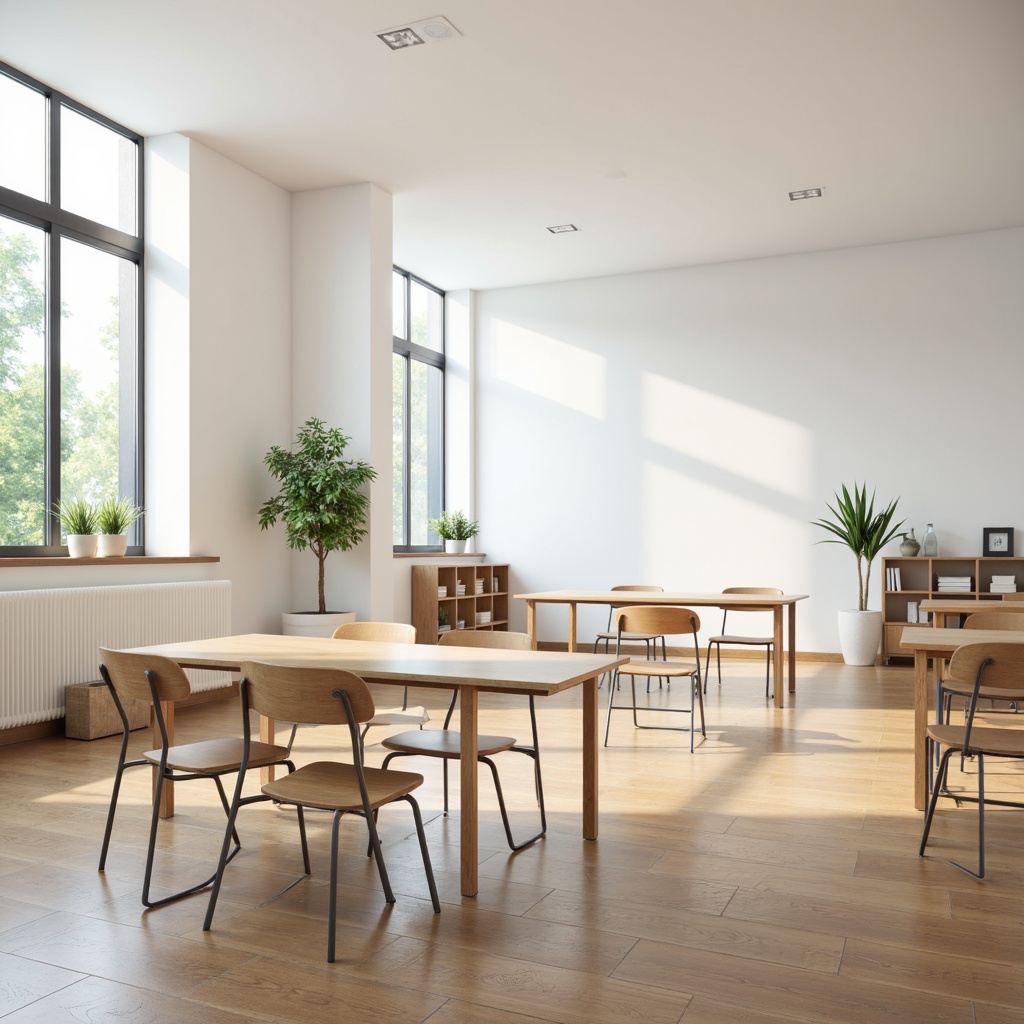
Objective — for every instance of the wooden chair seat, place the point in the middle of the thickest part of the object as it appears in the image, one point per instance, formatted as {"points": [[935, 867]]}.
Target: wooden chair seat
{"points": [[671, 667], [333, 786], [444, 743], [984, 740], [753, 641], [220, 755]]}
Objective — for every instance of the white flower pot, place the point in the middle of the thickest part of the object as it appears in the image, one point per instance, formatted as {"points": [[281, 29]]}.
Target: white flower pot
{"points": [[860, 633], [312, 623], [82, 545], [109, 544], [455, 547]]}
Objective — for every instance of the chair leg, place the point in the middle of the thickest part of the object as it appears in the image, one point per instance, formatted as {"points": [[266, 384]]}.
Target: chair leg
{"points": [[512, 844], [980, 873], [382, 870], [612, 683], [332, 896], [767, 671], [424, 852]]}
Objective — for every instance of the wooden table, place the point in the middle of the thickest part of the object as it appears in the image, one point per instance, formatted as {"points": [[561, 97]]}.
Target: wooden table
{"points": [[471, 670], [966, 606], [754, 602], [938, 643]]}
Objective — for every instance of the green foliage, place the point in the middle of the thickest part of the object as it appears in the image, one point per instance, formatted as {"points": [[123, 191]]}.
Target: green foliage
{"points": [[114, 516], [454, 526], [855, 523], [442, 615], [320, 502], [76, 516]]}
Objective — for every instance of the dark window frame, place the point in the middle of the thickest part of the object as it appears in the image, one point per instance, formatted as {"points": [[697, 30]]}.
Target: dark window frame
{"points": [[57, 224], [410, 351]]}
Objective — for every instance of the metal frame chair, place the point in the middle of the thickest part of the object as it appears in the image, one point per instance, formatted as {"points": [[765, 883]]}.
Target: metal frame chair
{"points": [[445, 742], [664, 620], [144, 677], [318, 696], [983, 668], [739, 640], [608, 635]]}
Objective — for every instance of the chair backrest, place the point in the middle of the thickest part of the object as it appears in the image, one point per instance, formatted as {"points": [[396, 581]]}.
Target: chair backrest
{"points": [[305, 695], [658, 620], [747, 590], [127, 674], [494, 639], [643, 588], [995, 620], [385, 632], [1006, 670], [1017, 595]]}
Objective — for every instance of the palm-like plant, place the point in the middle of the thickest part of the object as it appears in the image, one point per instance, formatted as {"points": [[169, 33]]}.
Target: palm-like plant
{"points": [[865, 532]]}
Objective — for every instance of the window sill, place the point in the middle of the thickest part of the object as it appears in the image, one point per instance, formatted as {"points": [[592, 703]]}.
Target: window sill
{"points": [[439, 554], [65, 560]]}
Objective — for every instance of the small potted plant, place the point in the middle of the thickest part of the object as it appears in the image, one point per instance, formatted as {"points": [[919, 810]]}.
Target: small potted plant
{"points": [[865, 532], [77, 518], [443, 625], [113, 518], [454, 528], [322, 505]]}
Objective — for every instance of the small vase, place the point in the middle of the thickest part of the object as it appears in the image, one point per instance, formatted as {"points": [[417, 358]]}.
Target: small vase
{"points": [[910, 546], [111, 544], [931, 542], [456, 547]]}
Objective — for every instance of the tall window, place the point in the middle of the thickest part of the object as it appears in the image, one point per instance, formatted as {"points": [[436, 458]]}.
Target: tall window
{"points": [[70, 312], [417, 410]]}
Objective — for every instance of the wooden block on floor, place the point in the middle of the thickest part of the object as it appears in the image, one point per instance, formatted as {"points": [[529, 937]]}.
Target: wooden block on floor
{"points": [[90, 712]]}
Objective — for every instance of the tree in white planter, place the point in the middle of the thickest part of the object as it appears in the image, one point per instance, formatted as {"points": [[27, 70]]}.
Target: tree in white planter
{"points": [[865, 532], [321, 503]]}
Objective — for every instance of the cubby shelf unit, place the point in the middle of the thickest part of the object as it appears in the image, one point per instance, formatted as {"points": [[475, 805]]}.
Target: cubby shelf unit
{"points": [[483, 605]]}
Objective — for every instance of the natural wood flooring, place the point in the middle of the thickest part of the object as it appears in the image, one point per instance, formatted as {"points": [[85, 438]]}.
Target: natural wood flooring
{"points": [[771, 876]]}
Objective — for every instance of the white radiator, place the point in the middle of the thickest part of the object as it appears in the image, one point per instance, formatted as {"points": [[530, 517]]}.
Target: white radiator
{"points": [[49, 638]]}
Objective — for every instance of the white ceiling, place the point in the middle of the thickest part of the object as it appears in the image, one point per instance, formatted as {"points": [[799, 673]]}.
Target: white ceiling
{"points": [[669, 131]]}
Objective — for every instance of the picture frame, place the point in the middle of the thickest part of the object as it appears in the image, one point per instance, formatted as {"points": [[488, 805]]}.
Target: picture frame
{"points": [[997, 542]]}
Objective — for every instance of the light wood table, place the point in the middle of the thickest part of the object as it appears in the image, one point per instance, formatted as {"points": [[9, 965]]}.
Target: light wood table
{"points": [[938, 643], [471, 670], [966, 606], [755, 602]]}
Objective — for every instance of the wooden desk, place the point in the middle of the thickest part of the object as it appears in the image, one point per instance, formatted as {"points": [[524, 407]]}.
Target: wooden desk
{"points": [[472, 670], [938, 643], [967, 606], [755, 602]]}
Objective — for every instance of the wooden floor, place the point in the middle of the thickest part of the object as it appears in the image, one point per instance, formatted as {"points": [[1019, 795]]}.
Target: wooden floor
{"points": [[771, 876]]}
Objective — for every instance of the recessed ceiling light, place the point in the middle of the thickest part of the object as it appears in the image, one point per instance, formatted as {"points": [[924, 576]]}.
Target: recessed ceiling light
{"points": [[562, 229], [430, 30], [807, 193]]}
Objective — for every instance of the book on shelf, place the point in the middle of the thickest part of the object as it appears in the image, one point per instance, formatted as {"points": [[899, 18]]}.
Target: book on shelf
{"points": [[1004, 579], [892, 578], [912, 612]]}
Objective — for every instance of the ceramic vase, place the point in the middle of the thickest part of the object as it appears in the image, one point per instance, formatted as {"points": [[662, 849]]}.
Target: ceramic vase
{"points": [[82, 545], [860, 633]]}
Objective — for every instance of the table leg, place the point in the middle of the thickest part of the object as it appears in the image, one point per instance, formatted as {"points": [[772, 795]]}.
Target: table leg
{"points": [[470, 839], [531, 622], [920, 724], [791, 618], [590, 749], [777, 657], [167, 793], [572, 627]]}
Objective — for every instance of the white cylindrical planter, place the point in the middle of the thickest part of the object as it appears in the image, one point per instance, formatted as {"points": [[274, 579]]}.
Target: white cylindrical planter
{"points": [[313, 624], [82, 545], [455, 547], [109, 544], [860, 633]]}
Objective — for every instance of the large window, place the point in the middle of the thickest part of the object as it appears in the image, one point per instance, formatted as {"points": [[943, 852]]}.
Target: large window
{"points": [[417, 410], [70, 312]]}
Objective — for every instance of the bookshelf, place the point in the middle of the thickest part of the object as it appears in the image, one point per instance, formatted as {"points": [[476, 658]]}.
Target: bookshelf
{"points": [[919, 579], [476, 595]]}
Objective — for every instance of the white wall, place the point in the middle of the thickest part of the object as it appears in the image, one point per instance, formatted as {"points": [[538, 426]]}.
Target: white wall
{"points": [[683, 427]]}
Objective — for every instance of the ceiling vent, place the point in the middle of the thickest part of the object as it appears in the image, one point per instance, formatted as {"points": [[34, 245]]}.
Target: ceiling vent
{"points": [[562, 229], [430, 30], [807, 193]]}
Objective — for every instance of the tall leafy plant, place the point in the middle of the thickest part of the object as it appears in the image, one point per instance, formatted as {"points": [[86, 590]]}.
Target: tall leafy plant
{"points": [[864, 531], [321, 502]]}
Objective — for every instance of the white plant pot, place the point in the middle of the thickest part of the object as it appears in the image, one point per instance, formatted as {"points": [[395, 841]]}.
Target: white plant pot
{"points": [[109, 544], [82, 545], [860, 633], [455, 547], [312, 623]]}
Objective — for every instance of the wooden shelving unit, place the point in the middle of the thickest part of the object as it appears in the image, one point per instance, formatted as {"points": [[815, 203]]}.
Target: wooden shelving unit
{"points": [[919, 579], [485, 594]]}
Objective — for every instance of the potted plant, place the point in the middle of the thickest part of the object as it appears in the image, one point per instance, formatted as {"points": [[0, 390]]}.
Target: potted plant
{"points": [[455, 528], [77, 518], [322, 504], [443, 625], [113, 518], [865, 532]]}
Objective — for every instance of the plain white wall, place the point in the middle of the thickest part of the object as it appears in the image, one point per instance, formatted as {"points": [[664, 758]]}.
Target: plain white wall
{"points": [[683, 427]]}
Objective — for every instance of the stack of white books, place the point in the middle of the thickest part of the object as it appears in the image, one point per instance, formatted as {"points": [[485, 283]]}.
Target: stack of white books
{"points": [[479, 584], [460, 590], [954, 584], [1004, 585], [892, 578], [442, 591], [483, 618]]}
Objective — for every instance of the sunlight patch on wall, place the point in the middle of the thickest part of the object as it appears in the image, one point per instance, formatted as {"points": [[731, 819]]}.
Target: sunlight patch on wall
{"points": [[734, 438], [549, 368]]}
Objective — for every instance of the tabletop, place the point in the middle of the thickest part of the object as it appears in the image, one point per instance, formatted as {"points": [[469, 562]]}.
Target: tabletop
{"points": [[714, 599]]}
